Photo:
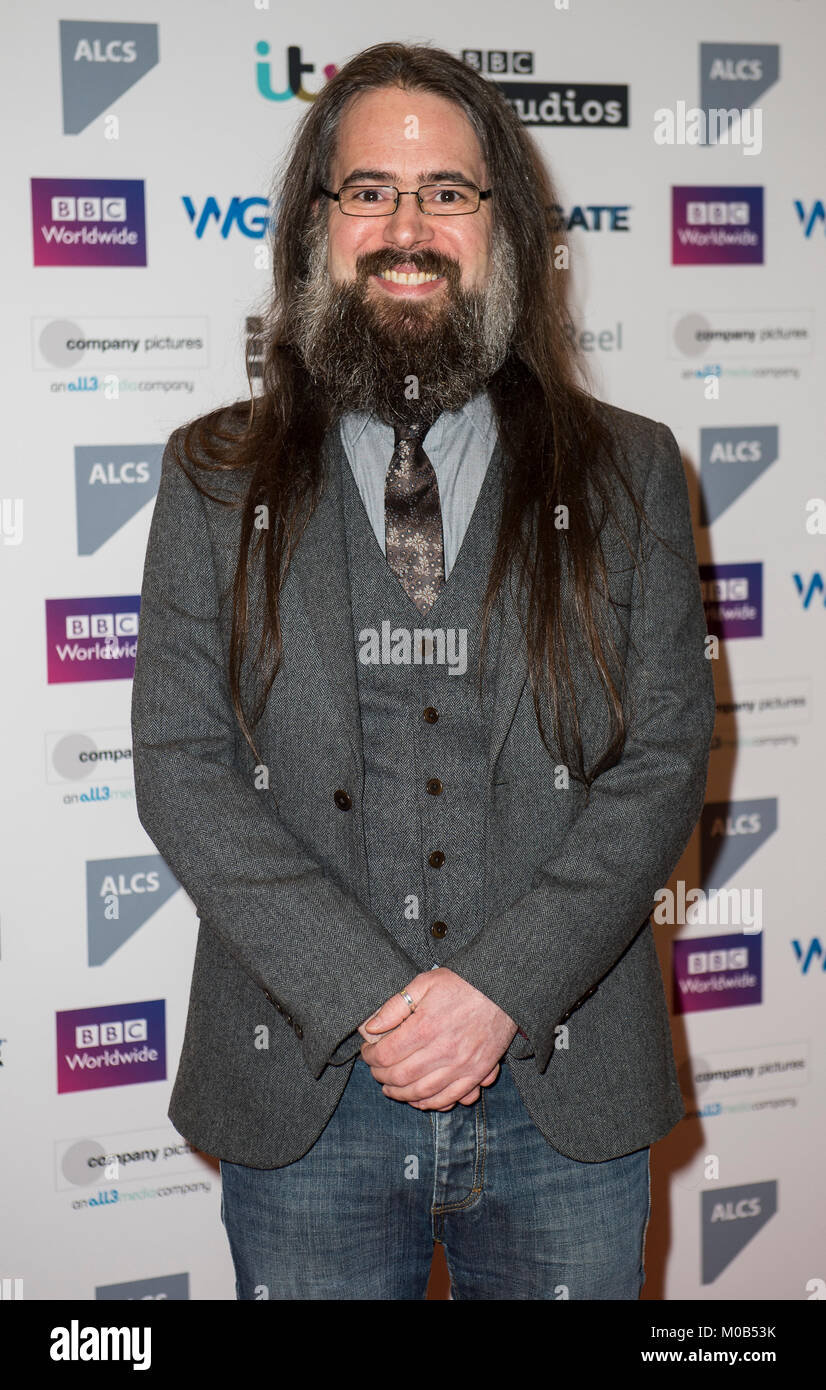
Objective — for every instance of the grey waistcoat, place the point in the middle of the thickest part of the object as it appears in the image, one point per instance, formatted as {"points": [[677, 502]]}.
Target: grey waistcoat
{"points": [[425, 774]]}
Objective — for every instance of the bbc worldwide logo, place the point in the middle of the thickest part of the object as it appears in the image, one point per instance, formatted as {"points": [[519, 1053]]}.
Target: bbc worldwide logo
{"points": [[717, 226], [88, 222], [91, 639], [112, 1045]]}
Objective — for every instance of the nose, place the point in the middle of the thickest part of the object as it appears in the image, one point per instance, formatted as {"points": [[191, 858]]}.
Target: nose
{"points": [[408, 226]]}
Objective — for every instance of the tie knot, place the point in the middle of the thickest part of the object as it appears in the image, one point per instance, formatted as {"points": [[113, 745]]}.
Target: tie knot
{"points": [[416, 430]]}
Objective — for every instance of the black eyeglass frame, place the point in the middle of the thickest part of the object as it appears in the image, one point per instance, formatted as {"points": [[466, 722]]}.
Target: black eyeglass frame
{"points": [[409, 193]]}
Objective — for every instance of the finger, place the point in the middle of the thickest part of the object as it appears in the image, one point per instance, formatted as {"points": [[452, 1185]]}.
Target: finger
{"points": [[491, 1076], [389, 1016], [398, 1047], [435, 1089], [370, 1036]]}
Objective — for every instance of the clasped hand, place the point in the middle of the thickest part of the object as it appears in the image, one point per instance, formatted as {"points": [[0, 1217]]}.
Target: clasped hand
{"points": [[443, 1052]]}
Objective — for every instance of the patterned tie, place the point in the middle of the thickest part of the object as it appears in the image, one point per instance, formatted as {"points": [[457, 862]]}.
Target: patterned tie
{"points": [[414, 545]]}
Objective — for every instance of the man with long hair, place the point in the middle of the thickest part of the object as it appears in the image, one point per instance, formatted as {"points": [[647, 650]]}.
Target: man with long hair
{"points": [[421, 721]]}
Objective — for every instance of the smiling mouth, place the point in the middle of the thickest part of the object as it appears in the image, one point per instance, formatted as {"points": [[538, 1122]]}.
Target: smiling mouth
{"points": [[401, 277]]}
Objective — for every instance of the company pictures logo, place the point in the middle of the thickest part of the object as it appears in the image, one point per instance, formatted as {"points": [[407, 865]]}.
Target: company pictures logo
{"points": [[111, 1045], [98, 63], [717, 972], [717, 226], [91, 639], [733, 599], [88, 222]]}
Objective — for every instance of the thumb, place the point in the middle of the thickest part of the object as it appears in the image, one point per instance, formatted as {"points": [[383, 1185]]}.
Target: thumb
{"points": [[389, 1016]]}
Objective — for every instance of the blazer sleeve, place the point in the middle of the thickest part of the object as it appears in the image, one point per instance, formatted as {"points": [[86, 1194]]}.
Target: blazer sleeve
{"points": [[542, 957], [320, 959]]}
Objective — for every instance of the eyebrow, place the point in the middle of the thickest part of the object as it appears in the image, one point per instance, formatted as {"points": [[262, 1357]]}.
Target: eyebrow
{"points": [[387, 176]]}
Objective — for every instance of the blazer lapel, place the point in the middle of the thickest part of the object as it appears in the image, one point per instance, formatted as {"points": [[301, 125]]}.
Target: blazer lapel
{"points": [[510, 674], [319, 571]]}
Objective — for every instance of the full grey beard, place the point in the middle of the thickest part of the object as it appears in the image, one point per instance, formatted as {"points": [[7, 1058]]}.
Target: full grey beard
{"points": [[402, 358]]}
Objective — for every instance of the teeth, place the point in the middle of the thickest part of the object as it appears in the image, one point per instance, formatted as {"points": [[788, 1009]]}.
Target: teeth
{"points": [[418, 277]]}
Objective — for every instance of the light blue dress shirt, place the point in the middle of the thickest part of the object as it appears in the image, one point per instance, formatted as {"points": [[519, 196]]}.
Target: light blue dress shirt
{"points": [[459, 445]]}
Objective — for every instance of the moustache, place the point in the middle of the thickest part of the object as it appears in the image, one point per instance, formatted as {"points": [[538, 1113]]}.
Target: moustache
{"points": [[430, 262]]}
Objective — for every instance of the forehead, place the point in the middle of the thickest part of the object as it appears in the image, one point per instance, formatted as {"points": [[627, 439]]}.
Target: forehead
{"points": [[406, 132]]}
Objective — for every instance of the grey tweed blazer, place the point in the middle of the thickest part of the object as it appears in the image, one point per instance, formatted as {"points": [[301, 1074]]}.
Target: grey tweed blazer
{"points": [[289, 959]]}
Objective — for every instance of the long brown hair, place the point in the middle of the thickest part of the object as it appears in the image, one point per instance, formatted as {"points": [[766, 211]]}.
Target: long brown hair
{"points": [[558, 446]]}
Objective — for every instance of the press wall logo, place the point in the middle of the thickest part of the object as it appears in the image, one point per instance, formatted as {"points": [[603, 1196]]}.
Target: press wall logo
{"points": [[91, 639], [730, 833], [808, 588], [239, 214], [733, 599], [112, 1045], [732, 457], [162, 1286], [112, 483], [88, 222], [717, 972], [295, 69], [582, 105], [806, 955], [730, 1218], [98, 63], [735, 75], [122, 894], [810, 217], [590, 217], [716, 225]]}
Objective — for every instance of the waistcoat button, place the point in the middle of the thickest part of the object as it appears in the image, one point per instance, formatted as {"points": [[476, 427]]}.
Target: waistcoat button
{"points": [[434, 786], [342, 800], [439, 929], [431, 714], [436, 859]]}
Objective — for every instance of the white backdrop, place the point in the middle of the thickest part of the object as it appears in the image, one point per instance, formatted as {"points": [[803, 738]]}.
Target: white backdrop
{"points": [[94, 932]]}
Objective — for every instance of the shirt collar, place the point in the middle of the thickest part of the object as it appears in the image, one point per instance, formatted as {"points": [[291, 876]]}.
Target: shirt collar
{"points": [[478, 412]]}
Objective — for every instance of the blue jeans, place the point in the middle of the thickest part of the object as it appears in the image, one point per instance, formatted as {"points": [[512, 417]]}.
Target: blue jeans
{"points": [[357, 1216]]}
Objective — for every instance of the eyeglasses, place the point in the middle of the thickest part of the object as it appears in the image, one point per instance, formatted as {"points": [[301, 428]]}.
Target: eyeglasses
{"points": [[434, 199]]}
